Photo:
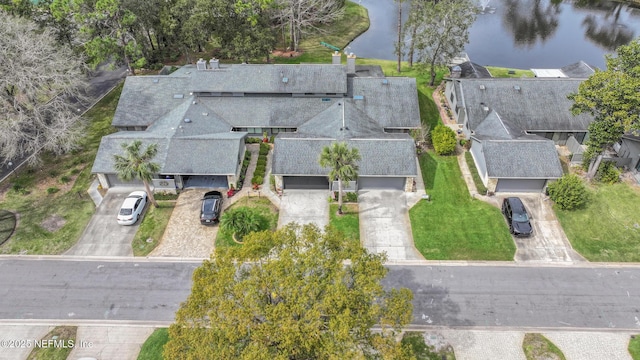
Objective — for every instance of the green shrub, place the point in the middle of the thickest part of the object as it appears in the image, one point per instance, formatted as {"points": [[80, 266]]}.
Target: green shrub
{"points": [[262, 162], [65, 179], [245, 163], [53, 173], [568, 192], [351, 197], [242, 221], [261, 166], [608, 173], [52, 190], [443, 140], [75, 171], [272, 138], [257, 180], [247, 155], [264, 146], [258, 173]]}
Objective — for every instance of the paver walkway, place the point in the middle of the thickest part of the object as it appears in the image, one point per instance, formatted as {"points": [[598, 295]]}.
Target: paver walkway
{"points": [[184, 235]]}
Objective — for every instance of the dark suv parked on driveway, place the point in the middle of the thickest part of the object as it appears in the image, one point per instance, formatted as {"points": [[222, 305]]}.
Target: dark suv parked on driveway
{"points": [[517, 217]]}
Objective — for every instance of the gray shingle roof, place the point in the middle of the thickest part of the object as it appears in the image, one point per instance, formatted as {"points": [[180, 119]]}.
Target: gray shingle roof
{"points": [[205, 145], [329, 123], [143, 100], [392, 104], [202, 156], [541, 104], [304, 78], [494, 127], [296, 154], [112, 145], [266, 112], [578, 70], [536, 159]]}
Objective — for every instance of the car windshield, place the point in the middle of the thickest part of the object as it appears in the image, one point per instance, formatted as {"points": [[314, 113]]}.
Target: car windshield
{"points": [[520, 217], [208, 205], [126, 211]]}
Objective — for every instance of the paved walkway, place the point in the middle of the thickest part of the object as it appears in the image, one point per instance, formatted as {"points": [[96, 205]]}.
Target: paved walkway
{"points": [[385, 225], [103, 236], [500, 344], [304, 207], [110, 342]]}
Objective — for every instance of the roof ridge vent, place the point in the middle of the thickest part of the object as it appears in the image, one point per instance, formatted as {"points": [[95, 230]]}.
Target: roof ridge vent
{"points": [[517, 88], [482, 87]]}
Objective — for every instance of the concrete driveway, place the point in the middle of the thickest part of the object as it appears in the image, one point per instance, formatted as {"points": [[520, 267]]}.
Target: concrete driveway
{"points": [[548, 242], [103, 236], [184, 235], [385, 225], [304, 207]]}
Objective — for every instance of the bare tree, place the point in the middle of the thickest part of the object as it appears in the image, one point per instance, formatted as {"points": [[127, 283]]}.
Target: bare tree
{"points": [[38, 79], [305, 16]]}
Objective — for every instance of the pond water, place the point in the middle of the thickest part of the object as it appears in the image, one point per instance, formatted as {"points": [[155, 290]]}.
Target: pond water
{"points": [[521, 33]]}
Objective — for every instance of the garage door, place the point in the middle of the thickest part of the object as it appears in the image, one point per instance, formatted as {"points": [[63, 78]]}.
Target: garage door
{"points": [[115, 181], [520, 185], [305, 182], [205, 181], [372, 183]]}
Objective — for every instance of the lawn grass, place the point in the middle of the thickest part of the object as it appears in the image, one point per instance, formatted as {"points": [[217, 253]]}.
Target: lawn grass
{"points": [[152, 227], [70, 174], [348, 223], [634, 347], [354, 22], [501, 72], [153, 346], [538, 347], [421, 351], [454, 226], [474, 173], [264, 207], [608, 228], [64, 336]]}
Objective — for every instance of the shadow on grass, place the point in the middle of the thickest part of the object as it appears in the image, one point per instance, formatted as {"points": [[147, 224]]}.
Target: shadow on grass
{"points": [[429, 167], [7, 225]]}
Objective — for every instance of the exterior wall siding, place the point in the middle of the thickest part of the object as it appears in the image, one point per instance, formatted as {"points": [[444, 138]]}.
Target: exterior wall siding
{"points": [[478, 157]]}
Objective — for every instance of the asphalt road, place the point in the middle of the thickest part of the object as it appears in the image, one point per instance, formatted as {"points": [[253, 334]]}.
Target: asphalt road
{"points": [[457, 296]]}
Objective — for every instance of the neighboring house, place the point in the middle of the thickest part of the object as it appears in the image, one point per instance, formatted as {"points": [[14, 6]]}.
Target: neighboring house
{"points": [[628, 150], [507, 120], [510, 160], [200, 115]]}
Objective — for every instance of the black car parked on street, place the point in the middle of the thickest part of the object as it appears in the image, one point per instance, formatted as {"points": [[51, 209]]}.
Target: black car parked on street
{"points": [[517, 217]]}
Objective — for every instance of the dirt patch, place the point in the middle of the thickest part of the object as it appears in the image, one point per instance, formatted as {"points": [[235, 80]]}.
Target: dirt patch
{"points": [[286, 53], [53, 223]]}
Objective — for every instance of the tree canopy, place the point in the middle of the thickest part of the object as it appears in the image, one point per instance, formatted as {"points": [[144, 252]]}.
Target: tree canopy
{"points": [[38, 79], [439, 30], [342, 163], [612, 97], [137, 163], [296, 293]]}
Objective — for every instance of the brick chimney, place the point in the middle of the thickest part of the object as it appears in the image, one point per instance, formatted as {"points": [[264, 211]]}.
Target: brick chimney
{"points": [[351, 64], [336, 58]]}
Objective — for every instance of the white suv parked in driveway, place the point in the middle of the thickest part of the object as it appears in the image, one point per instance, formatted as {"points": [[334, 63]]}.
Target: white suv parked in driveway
{"points": [[132, 208]]}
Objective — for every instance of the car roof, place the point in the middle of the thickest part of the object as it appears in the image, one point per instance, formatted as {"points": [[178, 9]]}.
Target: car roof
{"points": [[516, 203], [129, 202]]}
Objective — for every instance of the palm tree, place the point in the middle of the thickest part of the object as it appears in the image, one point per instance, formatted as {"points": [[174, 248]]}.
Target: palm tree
{"points": [[136, 164], [341, 162], [242, 221]]}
